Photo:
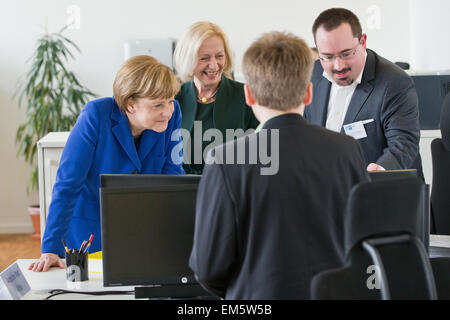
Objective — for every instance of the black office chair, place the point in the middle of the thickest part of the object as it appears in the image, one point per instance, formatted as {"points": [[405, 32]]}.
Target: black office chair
{"points": [[441, 272], [403, 65], [384, 256], [440, 191]]}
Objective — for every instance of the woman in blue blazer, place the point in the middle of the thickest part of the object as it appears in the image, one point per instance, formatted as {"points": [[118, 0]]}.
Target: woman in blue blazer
{"points": [[133, 132]]}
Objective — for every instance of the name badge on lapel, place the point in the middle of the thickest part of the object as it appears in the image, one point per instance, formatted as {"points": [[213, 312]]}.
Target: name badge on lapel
{"points": [[356, 129]]}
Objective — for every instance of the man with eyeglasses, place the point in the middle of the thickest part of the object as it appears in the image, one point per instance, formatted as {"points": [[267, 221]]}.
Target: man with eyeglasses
{"points": [[361, 94]]}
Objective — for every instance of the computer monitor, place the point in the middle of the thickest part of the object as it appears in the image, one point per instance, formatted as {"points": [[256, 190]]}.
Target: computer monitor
{"points": [[392, 174], [147, 226], [431, 90], [145, 180]]}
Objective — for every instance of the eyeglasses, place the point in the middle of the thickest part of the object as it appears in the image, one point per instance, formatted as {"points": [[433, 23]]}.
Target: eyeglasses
{"points": [[346, 55]]}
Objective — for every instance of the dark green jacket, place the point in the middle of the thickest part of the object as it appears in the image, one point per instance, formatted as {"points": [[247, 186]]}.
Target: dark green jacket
{"points": [[230, 110]]}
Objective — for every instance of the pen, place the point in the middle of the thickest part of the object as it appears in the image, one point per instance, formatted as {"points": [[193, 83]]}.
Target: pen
{"points": [[87, 248], [65, 246], [82, 245], [89, 243], [90, 238]]}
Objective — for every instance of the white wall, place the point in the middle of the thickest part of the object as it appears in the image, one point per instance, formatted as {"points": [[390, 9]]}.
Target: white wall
{"points": [[430, 47], [105, 25]]}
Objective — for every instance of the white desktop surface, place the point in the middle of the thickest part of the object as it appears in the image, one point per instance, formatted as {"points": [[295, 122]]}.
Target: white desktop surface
{"points": [[437, 240], [42, 282], [55, 278]]}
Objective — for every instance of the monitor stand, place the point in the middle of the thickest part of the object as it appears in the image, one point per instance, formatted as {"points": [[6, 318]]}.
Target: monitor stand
{"points": [[179, 291]]}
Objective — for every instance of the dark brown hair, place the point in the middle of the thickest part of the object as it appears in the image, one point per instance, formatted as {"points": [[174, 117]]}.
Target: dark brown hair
{"points": [[332, 18]]}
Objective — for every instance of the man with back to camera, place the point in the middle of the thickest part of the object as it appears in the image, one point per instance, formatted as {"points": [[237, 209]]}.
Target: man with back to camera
{"points": [[264, 235], [360, 93]]}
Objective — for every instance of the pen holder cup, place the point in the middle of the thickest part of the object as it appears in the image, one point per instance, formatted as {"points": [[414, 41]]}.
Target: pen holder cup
{"points": [[77, 266]]}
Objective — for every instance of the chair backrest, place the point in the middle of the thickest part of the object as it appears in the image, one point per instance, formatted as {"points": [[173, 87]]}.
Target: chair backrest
{"points": [[444, 123], [385, 258], [382, 208], [441, 272], [403, 65], [440, 191], [440, 152], [402, 266], [353, 281]]}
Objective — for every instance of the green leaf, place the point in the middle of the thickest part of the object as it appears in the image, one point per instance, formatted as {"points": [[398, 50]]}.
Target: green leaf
{"points": [[52, 94]]}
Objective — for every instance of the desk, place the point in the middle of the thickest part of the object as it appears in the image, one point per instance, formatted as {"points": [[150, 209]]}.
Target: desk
{"points": [[42, 282], [439, 241], [439, 246]]}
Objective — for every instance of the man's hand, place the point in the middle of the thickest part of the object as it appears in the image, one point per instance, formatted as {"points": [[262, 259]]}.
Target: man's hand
{"points": [[46, 261], [374, 167]]}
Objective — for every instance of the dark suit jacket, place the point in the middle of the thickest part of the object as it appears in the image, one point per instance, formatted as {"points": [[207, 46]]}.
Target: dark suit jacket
{"points": [[387, 95], [265, 236]]}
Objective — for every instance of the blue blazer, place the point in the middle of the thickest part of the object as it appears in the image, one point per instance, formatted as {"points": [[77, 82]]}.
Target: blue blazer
{"points": [[101, 142]]}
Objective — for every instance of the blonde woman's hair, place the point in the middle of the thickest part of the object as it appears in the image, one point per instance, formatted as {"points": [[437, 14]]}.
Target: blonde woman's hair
{"points": [[278, 68], [186, 52], [143, 77]]}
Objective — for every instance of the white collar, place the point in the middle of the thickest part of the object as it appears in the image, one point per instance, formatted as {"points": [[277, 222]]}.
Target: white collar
{"points": [[357, 80]]}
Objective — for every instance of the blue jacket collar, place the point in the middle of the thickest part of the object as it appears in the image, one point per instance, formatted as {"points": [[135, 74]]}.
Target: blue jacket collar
{"points": [[122, 132]]}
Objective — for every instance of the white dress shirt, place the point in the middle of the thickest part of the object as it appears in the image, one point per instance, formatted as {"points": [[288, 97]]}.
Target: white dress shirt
{"points": [[340, 97]]}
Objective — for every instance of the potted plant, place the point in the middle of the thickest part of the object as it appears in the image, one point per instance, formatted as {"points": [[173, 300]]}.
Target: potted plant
{"points": [[53, 98]]}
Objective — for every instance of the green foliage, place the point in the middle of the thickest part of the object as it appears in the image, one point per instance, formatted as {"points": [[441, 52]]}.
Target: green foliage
{"points": [[53, 96]]}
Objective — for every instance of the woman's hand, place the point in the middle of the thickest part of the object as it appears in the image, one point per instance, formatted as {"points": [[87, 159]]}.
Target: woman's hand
{"points": [[46, 261]]}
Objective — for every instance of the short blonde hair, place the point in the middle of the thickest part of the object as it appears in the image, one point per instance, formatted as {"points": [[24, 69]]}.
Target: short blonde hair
{"points": [[278, 68], [186, 52], [143, 77]]}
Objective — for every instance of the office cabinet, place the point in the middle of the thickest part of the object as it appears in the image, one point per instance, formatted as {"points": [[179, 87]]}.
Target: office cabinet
{"points": [[50, 149]]}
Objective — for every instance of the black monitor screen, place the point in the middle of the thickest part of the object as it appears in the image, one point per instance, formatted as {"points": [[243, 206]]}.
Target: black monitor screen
{"points": [[392, 174], [147, 229], [145, 180], [431, 91]]}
